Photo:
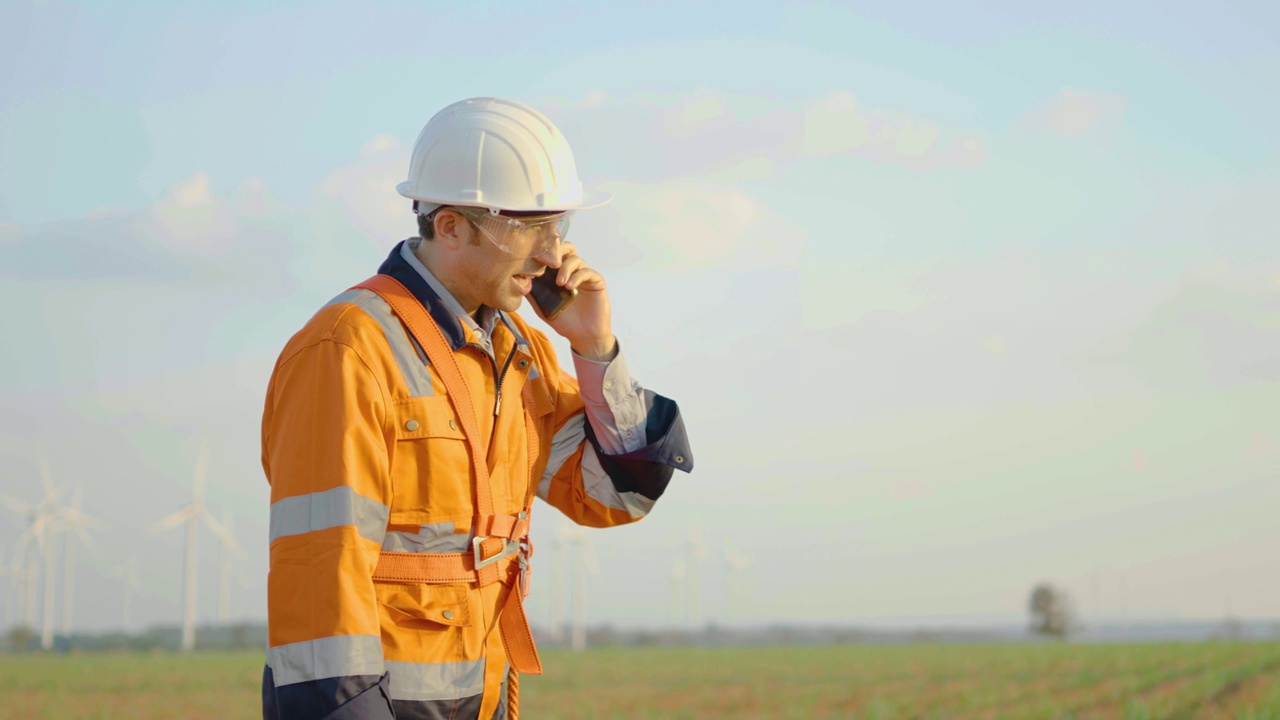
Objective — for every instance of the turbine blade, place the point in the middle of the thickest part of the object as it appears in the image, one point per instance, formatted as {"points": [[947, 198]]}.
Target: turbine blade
{"points": [[87, 542], [82, 520], [15, 504], [24, 539], [74, 517], [177, 518], [34, 531], [222, 534]]}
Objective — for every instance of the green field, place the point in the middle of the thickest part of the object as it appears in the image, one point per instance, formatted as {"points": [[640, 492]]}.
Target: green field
{"points": [[1202, 680]]}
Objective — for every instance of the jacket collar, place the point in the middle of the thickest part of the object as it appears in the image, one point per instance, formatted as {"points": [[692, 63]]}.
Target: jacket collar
{"points": [[444, 309], [397, 267]]}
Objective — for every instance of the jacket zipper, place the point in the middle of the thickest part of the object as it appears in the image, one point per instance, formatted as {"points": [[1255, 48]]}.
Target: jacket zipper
{"points": [[497, 403], [499, 377]]}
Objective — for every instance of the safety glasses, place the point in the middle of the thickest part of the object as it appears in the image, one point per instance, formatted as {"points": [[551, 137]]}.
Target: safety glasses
{"points": [[522, 237]]}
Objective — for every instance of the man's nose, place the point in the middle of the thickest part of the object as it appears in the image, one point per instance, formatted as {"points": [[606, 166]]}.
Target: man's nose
{"points": [[550, 255]]}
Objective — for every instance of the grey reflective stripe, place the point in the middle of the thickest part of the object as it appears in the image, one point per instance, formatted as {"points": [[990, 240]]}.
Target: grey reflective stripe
{"points": [[436, 681], [332, 508], [406, 352], [326, 658], [432, 538], [422, 354], [600, 487], [566, 441], [595, 480]]}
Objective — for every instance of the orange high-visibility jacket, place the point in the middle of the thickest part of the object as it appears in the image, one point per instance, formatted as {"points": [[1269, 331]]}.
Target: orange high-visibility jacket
{"points": [[366, 455]]}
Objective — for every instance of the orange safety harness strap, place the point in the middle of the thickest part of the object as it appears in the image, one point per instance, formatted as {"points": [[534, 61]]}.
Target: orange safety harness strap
{"points": [[491, 531]]}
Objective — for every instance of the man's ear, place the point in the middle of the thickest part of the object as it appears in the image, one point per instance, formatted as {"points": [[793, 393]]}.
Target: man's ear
{"points": [[451, 229]]}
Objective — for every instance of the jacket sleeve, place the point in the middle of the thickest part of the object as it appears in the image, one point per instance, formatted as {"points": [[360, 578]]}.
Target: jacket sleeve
{"points": [[325, 454], [597, 488]]}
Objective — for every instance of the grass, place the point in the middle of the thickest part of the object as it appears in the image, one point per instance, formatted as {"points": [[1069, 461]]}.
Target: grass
{"points": [[1213, 681]]}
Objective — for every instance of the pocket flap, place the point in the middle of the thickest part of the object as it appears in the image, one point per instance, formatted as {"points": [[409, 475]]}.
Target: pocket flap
{"points": [[441, 604], [429, 416]]}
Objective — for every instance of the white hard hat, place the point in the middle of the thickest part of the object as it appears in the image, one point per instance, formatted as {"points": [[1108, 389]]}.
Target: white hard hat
{"points": [[496, 154]]}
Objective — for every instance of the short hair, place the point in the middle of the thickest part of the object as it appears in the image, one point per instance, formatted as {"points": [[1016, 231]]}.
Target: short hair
{"points": [[427, 227]]}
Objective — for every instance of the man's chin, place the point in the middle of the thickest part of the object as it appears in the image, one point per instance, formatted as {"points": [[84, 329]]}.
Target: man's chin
{"points": [[510, 304]]}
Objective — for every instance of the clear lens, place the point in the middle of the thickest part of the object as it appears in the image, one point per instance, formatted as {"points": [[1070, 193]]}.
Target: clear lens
{"points": [[521, 237]]}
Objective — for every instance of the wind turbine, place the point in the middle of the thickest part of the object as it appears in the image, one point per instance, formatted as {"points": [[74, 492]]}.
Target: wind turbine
{"points": [[26, 575], [227, 546], [74, 519], [38, 516], [129, 574], [192, 514], [679, 609], [41, 519], [558, 554], [697, 552], [5, 620], [735, 563], [583, 561]]}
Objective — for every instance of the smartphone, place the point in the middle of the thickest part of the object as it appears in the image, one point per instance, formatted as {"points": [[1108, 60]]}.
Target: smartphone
{"points": [[551, 298]]}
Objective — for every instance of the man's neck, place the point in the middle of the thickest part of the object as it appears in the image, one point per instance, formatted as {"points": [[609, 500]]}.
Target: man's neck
{"points": [[439, 271]]}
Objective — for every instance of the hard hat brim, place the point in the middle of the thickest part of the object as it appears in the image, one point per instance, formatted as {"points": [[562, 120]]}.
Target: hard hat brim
{"points": [[589, 200]]}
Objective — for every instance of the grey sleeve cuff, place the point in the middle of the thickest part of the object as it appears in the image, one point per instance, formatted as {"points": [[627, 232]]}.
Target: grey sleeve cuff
{"points": [[614, 403]]}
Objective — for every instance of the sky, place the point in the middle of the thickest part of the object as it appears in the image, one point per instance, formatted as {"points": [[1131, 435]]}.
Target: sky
{"points": [[955, 298]]}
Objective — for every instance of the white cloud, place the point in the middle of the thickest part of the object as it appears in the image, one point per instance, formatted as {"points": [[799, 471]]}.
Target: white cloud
{"points": [[699, 110], [363, 192], [191, 220], [253, 198], [593, 99], [712, 130], [1073, 112], [836, 124], [703, 223]]}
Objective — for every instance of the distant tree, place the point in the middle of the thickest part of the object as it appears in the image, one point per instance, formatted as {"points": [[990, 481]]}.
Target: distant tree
{"points": [[240, 636], [21, 637], [1232, 629], [1051, 611]]}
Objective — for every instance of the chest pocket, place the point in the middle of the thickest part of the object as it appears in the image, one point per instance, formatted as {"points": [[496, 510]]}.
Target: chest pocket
{"points": [[430, 468], [431, 416]]}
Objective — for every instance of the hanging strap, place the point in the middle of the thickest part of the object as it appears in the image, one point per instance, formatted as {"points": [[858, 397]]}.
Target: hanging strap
{"points": [[499, 540]]}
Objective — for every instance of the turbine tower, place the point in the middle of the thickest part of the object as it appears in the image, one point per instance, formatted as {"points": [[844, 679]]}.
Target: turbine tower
{"points": [[227, 546], [128, 573], [735, 563], [582, 561], [74, 519], [192, 515], [558, 554], [679, 608], [5, 620], [28, 574], [697, 552]]}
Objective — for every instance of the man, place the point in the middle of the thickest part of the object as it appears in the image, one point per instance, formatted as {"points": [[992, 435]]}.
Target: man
{"points": [[409, 424]]}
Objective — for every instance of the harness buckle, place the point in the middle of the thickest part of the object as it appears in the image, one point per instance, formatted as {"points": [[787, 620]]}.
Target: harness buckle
{"points": [[478, 553], [526, 549]]}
